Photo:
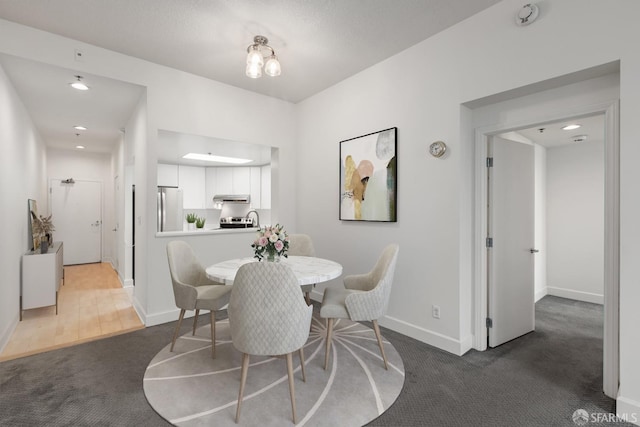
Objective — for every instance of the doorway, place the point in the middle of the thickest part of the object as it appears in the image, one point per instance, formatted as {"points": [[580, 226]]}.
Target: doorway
{"points": [[76, 207], [611, 236]]}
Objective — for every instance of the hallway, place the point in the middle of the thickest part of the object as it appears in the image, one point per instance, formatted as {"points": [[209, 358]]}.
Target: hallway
{"points": [[91, 305]]}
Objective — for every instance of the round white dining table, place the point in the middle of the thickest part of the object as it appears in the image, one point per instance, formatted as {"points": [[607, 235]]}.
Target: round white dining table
{"points": [[308, 270]]}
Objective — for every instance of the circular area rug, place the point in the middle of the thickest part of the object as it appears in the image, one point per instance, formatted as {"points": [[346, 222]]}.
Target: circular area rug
{"points": [[189, 388]]}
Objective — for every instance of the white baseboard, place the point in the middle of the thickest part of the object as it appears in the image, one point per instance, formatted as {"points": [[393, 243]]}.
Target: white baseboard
{"points": [[628, 410], [6, 334], [540, 294], [168, 316], [576, 295], [443, 342], [432, 338], [128, 283]]}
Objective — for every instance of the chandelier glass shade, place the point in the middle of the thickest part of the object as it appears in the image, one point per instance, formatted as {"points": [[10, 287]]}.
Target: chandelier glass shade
{"points": [[256, 55]]}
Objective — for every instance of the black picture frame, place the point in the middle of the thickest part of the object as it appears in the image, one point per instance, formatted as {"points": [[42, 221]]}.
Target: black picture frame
{"points": [[369, 177]]}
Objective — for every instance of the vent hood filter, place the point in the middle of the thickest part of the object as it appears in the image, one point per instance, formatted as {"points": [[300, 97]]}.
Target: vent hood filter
{"points": [[219, 199]]}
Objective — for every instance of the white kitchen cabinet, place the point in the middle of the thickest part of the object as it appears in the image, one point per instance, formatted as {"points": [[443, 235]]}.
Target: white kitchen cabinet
{"points": [[167, 175], [191, 180], [265, 187], [236, 180], [241, 180], [256, 179], [42, 275], [224, 180]]}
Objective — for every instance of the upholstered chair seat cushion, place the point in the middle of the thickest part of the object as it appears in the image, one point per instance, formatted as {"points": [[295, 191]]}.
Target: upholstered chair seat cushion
{"points": [[333, 303], [212, 297]]}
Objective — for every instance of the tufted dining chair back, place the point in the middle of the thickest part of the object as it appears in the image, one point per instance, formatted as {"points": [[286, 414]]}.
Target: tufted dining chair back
{"points": [[268, 317]]}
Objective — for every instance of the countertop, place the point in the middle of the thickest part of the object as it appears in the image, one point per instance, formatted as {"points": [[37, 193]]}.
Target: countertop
{"points": [[207, 232]]}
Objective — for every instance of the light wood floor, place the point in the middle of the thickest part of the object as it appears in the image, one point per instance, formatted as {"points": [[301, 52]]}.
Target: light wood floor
{"points": [[91, 305]]}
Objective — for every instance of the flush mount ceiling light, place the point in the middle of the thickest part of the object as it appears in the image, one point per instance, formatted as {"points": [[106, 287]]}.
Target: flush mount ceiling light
{"points": [[80, 147], [256, 55], [80, 128], [211, 158], [78, 84], [571, 126]]}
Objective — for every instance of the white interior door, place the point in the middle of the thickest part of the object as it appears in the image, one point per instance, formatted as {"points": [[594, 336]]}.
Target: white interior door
{"points": [[511, 228], [76, 210]]}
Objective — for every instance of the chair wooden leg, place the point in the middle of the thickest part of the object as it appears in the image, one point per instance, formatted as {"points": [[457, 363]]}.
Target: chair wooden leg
{"points": [[243, 380], [291, 386], [195, 321], [307, 298], [175, 334], [376, 328], [328, 346], [301, 354], [213, 334]]}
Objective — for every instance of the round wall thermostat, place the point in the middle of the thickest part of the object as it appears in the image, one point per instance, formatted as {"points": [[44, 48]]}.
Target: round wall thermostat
{"points": [[527, 14], [437, 149]]}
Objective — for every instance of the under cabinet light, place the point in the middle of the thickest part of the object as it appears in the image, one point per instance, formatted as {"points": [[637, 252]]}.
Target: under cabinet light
{"points": [[212, 158]]}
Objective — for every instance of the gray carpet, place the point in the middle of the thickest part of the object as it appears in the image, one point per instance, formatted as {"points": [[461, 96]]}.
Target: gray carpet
{"points": [[189, 388], [537, 380]]}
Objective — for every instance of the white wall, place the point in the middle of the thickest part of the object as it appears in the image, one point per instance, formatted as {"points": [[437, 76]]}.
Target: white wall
{"points": [[575, 221], [83, 166], [22, 177], [426, 91]]}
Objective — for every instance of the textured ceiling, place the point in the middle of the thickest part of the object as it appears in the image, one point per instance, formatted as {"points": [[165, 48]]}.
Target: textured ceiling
{"points": [[319, 42]]}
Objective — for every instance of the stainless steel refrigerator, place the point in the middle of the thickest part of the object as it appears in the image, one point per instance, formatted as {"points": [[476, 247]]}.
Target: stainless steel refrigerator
{"points": [[170, 216]]}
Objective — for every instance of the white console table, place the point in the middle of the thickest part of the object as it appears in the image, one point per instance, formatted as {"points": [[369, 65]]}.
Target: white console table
{"points": [[42, 275]]}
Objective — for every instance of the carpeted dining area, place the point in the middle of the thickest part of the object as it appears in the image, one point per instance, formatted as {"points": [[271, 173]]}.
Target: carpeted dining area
{"points": [[540, 379]]}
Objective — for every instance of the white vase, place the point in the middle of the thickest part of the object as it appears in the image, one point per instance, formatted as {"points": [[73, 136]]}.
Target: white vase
{"points": [[191, 226]]}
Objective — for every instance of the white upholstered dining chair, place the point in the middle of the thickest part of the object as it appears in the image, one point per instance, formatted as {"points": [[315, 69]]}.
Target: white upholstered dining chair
{"points": [[192, 289], [268, 317], [363, 298], [302, 245]]}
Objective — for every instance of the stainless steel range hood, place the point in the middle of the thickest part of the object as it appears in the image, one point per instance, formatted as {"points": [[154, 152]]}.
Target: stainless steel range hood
{"points": [[219, 199]]}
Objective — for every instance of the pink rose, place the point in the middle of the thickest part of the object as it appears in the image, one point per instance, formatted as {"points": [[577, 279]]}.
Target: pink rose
{"points": [[279, 245], [262, 241]]}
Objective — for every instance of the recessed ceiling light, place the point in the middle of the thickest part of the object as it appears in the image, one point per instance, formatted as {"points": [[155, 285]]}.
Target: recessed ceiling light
{"points": [[571, 126], [78, 84], [211, 158], [80, 147], [80, 128]]}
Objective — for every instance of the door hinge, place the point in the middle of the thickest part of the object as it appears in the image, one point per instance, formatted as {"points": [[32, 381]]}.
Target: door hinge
{"points": [[489, 242], [489, 322], [489, 162]]}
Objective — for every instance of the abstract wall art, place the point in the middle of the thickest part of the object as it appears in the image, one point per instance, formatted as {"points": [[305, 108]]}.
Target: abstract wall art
{"points": [[368, 177]]}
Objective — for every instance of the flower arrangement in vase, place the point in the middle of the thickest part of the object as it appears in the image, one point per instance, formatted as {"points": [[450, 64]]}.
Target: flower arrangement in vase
{"points": [[42, 228], [271, 244]]}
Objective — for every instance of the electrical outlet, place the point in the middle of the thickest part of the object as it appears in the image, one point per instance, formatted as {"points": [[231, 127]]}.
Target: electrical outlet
{"points": [[435, 311]]}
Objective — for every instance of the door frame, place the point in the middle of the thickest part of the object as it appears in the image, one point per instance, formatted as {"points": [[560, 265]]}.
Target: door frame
{"points": [[611, 345]]}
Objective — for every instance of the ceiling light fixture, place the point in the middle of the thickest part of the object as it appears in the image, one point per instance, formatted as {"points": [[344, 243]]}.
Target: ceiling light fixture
{"points": [[78, 84], [579, 138], [211, 158], [80, 147], [80, 128], [256, 55], [571, 127]]}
